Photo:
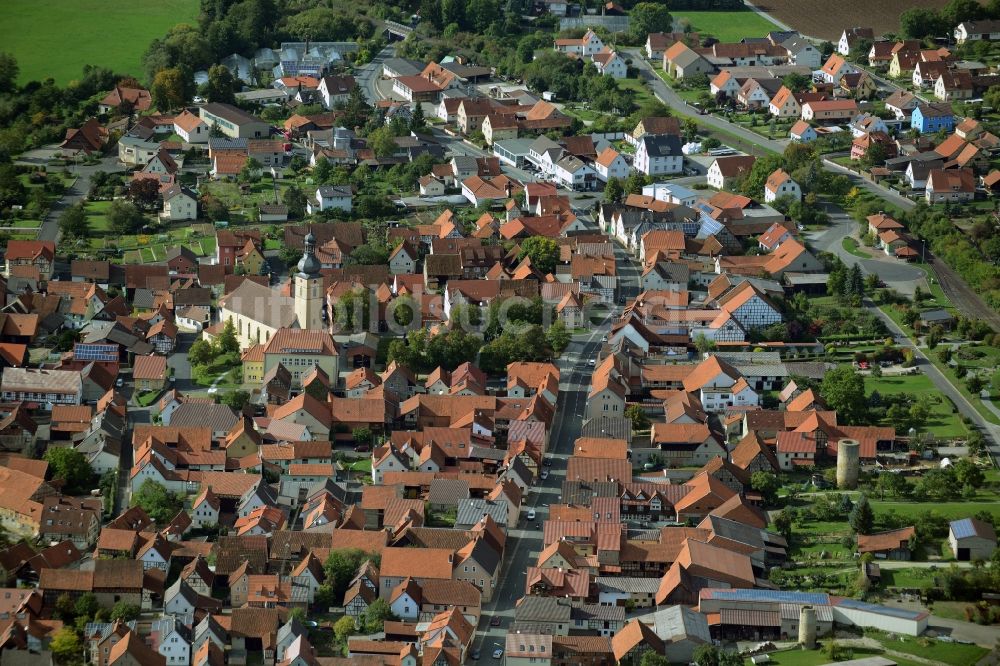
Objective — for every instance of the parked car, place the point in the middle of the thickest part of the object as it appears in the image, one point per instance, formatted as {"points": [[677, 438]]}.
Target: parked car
{"points": [[497, 653], [475, 654], [495, 621]]}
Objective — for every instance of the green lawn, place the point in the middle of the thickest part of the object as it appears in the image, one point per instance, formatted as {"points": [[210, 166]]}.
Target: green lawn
{"points": [[56, 38], [97, 215], [727, 26], [799, 657], [942, 422], [949, 510], [639, 88], [916, 578], [851, 245], [956, 654]]}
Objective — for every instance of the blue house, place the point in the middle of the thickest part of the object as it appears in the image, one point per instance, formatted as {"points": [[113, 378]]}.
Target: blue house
{"points": [[933, 117]]}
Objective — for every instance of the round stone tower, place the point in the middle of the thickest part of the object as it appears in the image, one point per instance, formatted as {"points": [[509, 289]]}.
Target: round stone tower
{"points": [[848, 464], [807, 627]]}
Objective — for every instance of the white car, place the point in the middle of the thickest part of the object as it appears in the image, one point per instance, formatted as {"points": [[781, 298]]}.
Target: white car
{"points": [[592, 363], [544, 475], [531, 514], [497, 653]]}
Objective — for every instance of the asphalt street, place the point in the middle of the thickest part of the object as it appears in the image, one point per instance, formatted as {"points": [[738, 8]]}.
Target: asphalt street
{"points": [[525, 543]]}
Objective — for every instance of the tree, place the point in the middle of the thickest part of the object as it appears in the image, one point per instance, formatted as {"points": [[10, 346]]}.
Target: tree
{"points": [[86, 605], [296, 202], [201, 352], [124, 218], [558, 336], [862, 518], [382, 141], [892, 484], [228, 343], [362, 435], [372, 253], [918, 22], [544, 253], [66, 645], [613, 191], [651, 658], [159, 503], [753, 183], [374, 617], [417, 120], [144, 192], [341, 566], [235, 399], [710, 655], [221, 85], [647, 17], [124, 611], [250, 173], [968, 473], [767, 484], [71, 466], [875, 155], [638, 417], [783, 523], [74, 223], [919, 413], [9, 71], [796, 83], [169, 90], [844, 390], [343, 629]]}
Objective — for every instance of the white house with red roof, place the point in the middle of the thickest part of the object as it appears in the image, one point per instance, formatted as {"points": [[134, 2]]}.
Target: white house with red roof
{"points": [[779, 184], [611, 164], [585, 46]]}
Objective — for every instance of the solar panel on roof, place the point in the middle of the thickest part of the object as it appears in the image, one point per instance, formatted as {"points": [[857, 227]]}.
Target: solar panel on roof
{"points": [[881, 610], [782, 596], [963, 528], [95, 352]]}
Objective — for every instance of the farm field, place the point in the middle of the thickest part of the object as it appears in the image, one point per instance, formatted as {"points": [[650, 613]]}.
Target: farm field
{"points": [[731, 26], [56, 38], [814, 18]]}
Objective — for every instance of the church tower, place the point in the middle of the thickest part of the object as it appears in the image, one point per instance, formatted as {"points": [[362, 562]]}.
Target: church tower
{"points": [[309, 297]]}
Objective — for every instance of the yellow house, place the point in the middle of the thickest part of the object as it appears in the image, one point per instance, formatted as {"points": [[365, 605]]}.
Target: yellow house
{"points": [[242, 440], [498, 127], [299, 351], [250, 258], [150, 372], [253, 364]]}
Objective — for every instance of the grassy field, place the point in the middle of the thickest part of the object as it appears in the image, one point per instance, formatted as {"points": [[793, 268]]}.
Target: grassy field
{"points": [[851, 245], [942, 422], [797, 657], [946, 653], [56, 38], [731, 26]]}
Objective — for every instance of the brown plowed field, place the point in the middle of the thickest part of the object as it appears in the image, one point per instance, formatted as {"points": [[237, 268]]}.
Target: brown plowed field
{"points": [[828, 18]]}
